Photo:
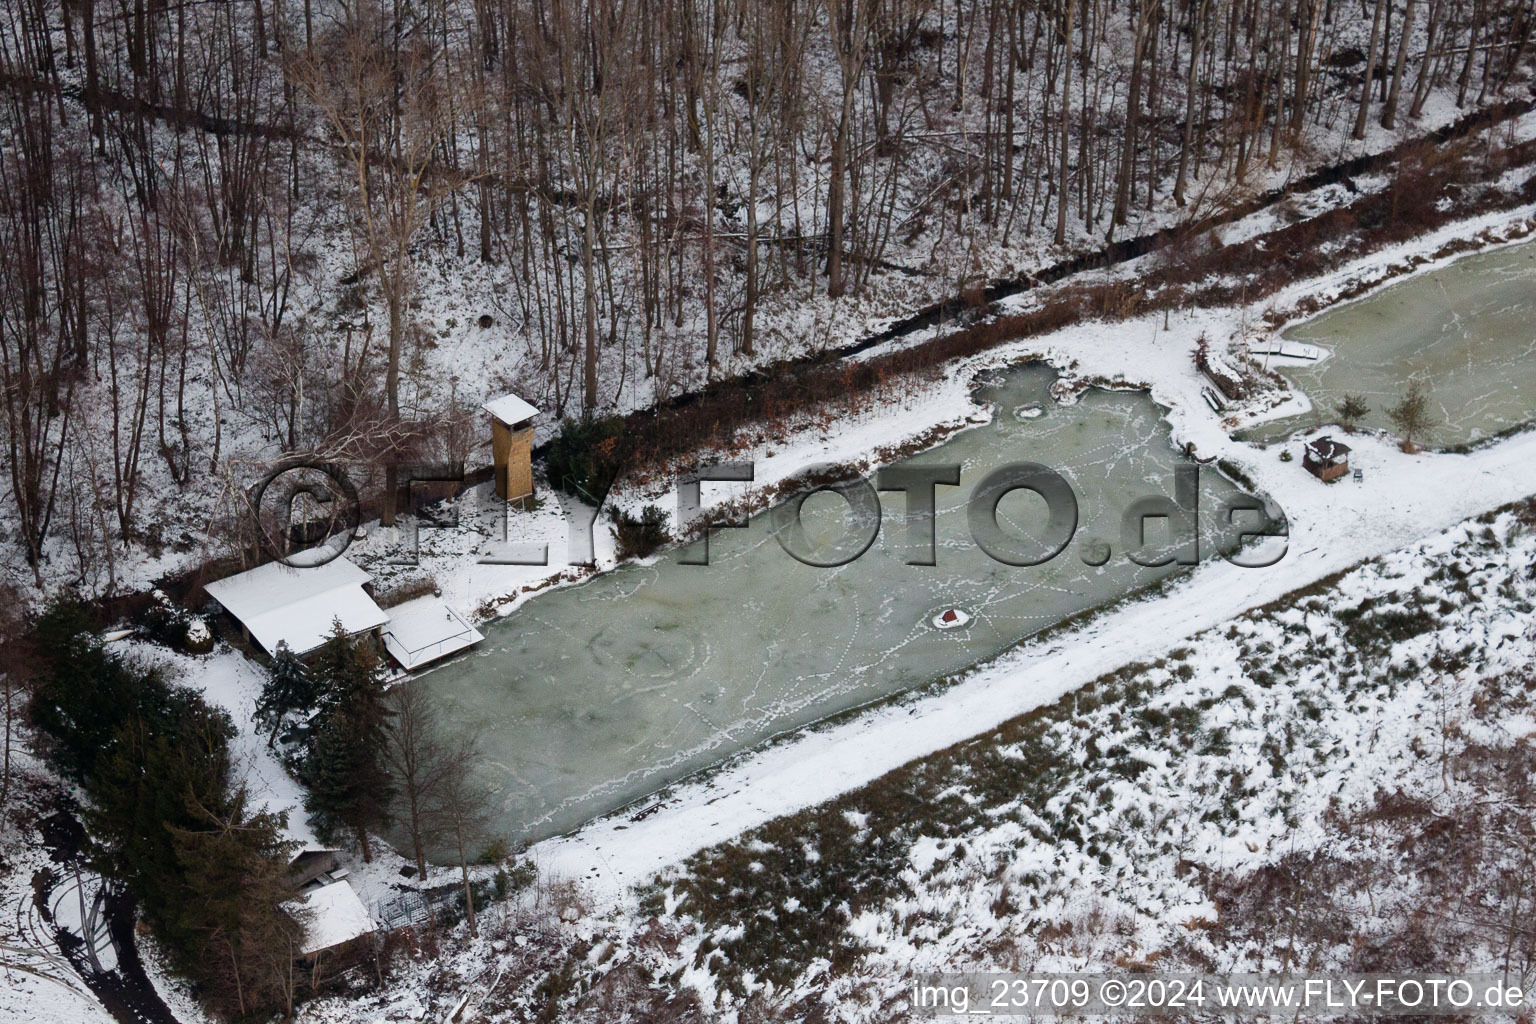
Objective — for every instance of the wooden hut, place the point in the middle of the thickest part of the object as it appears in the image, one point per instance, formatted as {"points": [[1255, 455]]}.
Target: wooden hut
{"points": [[308, 869], [336, 923], [512, 445], [1326, 458]]}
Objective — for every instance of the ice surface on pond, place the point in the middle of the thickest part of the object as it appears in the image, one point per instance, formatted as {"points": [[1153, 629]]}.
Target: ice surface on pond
{"points": [[598, 694], [1469, 329]]}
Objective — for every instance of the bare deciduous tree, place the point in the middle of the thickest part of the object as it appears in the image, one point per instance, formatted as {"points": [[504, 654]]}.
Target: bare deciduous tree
{"points": [[462, 808], [421, 759], [389, 109]]}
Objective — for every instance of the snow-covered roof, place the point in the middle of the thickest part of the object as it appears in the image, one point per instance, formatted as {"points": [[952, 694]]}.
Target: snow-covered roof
{"points": [[424, 630], [1327, 449], [1288, 349], [510, 409], [280, 604], [335, 916]]}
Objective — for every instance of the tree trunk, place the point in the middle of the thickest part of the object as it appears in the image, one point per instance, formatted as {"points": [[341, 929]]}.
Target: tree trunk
{"points": [[1370, 72], [1303, 81], [749, 310], [469, 891], [835, 203], [1389, 112], [5, 763], [1429, 68], [416, 843], [711, 315], [92, 74], [392, 392], [1132, 117], [483, 172], [589, 350], [1198, 15], [1066, 123]]}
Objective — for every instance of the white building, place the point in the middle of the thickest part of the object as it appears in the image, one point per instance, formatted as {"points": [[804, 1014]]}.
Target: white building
{"points": [[279, 604]]}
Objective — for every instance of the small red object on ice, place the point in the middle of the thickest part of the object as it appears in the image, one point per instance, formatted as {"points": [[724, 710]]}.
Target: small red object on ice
{"points": [[950, 616]]}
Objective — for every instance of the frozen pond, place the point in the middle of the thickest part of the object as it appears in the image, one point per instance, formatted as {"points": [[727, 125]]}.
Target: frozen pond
{"points": [[598, 694], [1468, 328]]}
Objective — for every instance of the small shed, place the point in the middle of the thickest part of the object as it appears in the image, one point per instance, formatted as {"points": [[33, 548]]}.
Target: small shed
{"points": [[512, 445], [276, 603], [1326, 458], [312, 867], [424, 630], [333, 918]]}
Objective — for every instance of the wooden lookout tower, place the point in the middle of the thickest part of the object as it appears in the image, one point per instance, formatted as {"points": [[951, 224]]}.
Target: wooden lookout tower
{"points": [[512, 445]]}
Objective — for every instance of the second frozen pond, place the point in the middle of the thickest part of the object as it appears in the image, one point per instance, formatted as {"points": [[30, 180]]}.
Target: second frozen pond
{"points": [[1468, 329]]}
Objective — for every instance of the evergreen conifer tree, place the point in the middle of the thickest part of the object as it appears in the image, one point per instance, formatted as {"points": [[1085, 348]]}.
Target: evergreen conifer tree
{"points": [[162, 763], [290, 691], [350, 787], [235, 884]]}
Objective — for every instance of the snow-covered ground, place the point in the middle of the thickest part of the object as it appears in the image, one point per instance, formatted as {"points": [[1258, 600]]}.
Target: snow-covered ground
{"points": [[37, 984]]}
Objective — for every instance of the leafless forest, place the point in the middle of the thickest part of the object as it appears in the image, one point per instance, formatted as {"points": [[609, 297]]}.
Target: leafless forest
{"points": [[237, 229]]}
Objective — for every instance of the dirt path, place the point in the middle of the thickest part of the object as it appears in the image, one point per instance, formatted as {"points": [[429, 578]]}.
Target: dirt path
{"points": [[124, 990]]}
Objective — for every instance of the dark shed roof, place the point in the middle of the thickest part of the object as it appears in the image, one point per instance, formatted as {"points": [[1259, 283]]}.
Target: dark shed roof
{"points": [[1327, 449]]}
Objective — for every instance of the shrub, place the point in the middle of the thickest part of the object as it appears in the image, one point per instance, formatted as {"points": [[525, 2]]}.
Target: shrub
{"points": [[585, 456], [198, 636], [421, 586], [496, 851], [1237, 475], [166, 624], [514, 879], [640, 538]]}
